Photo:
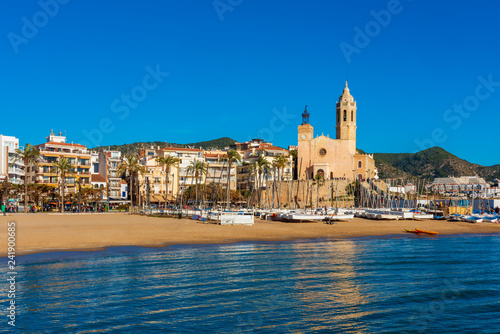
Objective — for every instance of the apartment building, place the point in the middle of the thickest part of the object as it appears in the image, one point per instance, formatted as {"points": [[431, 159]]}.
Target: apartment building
{"points": [[50, 153], [152, 182], [109, 163], [217, 167], [179, 175], [10, 171], [250, 152]]}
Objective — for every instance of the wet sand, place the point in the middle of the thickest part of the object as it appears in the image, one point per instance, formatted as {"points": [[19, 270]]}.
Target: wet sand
{"points": [[42, 232]]}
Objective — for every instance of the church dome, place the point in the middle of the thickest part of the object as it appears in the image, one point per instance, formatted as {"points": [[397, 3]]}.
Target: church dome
{"points": [[346, 95]]}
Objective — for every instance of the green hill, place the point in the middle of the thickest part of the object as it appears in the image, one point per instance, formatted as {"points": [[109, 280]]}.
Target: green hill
{"points": [[134, 148], [430, 163]]}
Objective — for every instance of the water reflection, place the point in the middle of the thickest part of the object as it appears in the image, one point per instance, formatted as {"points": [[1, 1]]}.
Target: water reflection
{"points": [[356, 286]]}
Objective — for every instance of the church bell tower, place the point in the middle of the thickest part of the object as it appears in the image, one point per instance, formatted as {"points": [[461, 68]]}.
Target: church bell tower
{"points": [[346, 116]]}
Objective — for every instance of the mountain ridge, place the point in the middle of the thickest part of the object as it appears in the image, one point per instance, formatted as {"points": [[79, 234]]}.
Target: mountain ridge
{"points": [[426, 164], [431, 163]]}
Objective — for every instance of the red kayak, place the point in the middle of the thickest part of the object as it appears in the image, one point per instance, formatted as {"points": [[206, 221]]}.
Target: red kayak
{"points": [[417, 231]]}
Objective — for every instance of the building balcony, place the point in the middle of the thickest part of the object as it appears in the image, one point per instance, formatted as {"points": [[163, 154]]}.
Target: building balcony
{"points": [[16, 181], [19, 163], [16, 171], [48, 173]]}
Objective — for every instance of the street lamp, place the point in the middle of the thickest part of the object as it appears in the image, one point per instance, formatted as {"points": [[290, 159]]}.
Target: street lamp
{"points": [[108, 192], [79, 195]]}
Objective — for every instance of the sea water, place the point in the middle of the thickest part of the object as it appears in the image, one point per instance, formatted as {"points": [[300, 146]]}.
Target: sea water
{"points": [[405, 284]]}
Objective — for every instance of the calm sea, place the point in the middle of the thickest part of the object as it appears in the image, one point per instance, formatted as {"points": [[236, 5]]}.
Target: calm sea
{"points": [[405, 284]]}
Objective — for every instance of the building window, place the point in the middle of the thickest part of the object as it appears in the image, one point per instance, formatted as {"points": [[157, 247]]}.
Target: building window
{"points": [[360, 164], [331, 175], [345, 115], [321, 173], [352, 115], [322, 152]]}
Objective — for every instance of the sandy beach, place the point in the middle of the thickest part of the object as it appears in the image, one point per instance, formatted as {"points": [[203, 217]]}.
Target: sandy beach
{"points": [[37, 233]]}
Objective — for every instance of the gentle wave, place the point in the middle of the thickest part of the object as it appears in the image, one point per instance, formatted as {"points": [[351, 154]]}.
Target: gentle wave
{"points": [[413, 285]]}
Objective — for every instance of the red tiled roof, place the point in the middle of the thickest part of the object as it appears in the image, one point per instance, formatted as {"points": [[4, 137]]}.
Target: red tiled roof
{"points": [[122, 181], [63, 144], [271, 148], [213, 155], [97, 178], [180, 149]]}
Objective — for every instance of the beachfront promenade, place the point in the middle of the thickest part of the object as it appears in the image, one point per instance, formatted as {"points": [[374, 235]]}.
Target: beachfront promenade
{"points": [[47, 232]]}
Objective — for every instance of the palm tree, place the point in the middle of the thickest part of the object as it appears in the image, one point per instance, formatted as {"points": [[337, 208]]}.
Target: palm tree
{"points": [[232, 155], [131, 166], [320, 181], [280, 162], [167, 162], [198, 168], [260, 167], [64, 166], [294, 154], [30, 155]]}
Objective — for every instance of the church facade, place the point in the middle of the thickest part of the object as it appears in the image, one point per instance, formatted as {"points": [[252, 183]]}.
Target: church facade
{"points": [[334, 158]]}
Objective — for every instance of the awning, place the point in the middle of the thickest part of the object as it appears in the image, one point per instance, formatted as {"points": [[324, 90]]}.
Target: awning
{"points": [[116, 201], [157, 198]]}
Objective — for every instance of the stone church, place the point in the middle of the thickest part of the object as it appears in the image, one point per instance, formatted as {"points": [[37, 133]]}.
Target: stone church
{"points": [[334, 158]]}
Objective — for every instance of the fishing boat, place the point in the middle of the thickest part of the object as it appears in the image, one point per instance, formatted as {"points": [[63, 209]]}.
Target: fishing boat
{"points": [[472, 219], [418, 231], [422, 216], [454, 217], [339, 218], [302, 218]]}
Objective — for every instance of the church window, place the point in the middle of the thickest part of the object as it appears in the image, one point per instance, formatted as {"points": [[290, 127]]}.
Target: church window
{"points": [[331, 175], [345, 115], [352, 115], [360, 164], [322, 152]]}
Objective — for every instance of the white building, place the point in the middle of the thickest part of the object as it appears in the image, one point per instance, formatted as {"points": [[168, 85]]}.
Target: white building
{"points": [[463, 184], [14, 172], [186, 158]]}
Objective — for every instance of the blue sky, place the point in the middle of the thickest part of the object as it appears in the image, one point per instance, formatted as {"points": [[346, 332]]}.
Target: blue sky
{"points": [[423, 73]]}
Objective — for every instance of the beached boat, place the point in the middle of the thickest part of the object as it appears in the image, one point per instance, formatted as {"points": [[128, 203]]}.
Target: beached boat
{"points": [[418, 231], [302, 218], [472, 219], [422, 216], [339, 218], [387, 216]]}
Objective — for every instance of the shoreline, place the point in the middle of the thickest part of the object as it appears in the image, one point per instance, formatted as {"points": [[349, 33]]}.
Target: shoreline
{"points": [[45, 233]]}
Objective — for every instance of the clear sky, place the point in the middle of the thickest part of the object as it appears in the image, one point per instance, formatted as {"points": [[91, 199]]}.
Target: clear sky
{"points": [[424, 73]]}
